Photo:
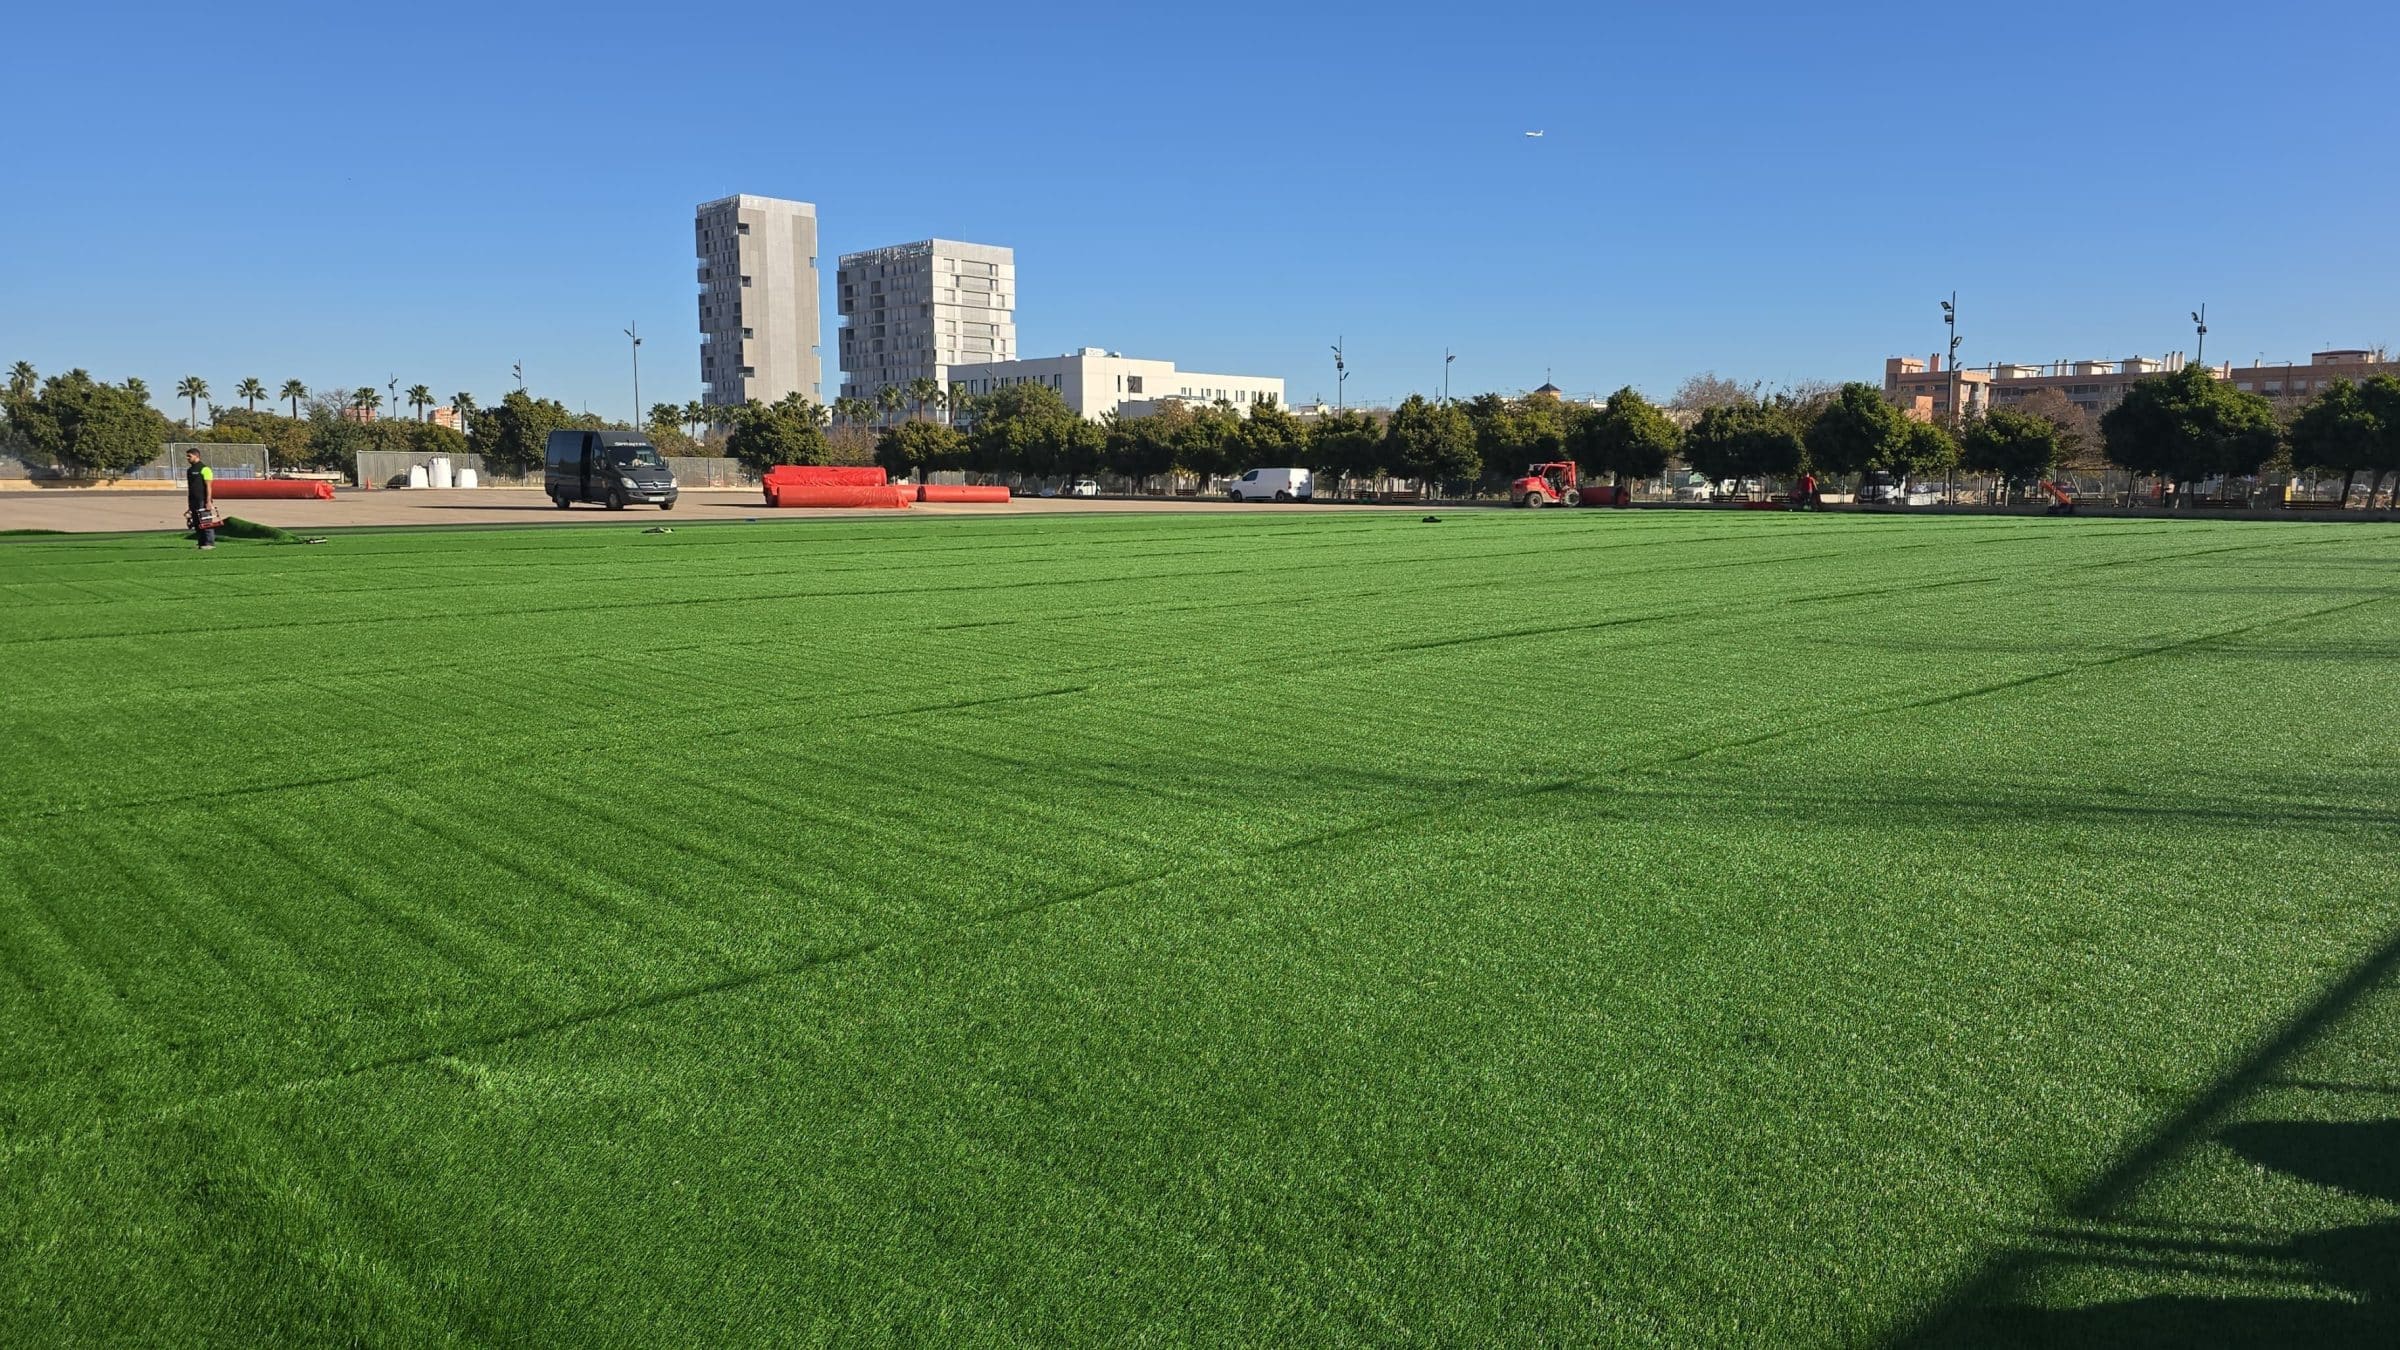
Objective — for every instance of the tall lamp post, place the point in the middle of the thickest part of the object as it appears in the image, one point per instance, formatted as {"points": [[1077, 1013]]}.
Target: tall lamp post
{"points": [[519, 368], [1447, 358], [2200, 348], [1950, 319], [1341, 375], [632, 331]]}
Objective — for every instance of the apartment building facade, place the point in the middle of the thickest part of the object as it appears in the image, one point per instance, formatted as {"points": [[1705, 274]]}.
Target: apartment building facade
{"points": [[1095, 382], [1924, 390], [913, 311], [759, 329]]}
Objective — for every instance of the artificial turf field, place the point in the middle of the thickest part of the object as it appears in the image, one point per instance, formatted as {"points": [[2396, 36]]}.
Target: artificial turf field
{"points": [[1680, 928]]}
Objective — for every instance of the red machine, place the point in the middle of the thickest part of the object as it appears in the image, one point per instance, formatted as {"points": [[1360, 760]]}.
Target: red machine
{"points": [[2062, 502], [1548, 485]]}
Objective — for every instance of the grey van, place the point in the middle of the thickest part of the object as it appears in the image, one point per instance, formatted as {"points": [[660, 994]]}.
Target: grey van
{"points": [[609, 467]]}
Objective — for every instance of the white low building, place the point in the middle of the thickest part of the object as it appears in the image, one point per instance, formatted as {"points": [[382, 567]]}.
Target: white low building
{"points": [[1094, 382]]}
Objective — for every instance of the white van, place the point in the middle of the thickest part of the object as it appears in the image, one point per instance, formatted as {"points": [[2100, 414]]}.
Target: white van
{"points": [[1273, 485]]}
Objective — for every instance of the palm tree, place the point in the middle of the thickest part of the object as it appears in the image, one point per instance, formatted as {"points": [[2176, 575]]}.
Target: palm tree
{"points": [[295, 391], [138, 387], [891, 399], [921, 391], [695, 413], [21, 379], [464, 402], [365, 399], [939, 400], [250, 391], [195, 389], [420, 398]]}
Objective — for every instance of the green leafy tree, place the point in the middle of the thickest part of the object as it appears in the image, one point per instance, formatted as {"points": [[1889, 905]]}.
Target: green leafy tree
{"points": [[1141, 448], [513, 434], [1858, 430], [1430, 442], [1023, 428], [2188, 425], [666, 415], [250, 391], [1628, 438], [2382, 397], [1930, 450], [76, 421], [194, 388], [294, 391], [2017, 447], [1745, 440], [1343, 446], [913, 448], [765, 435], [2339, 433], [1271, 437]]}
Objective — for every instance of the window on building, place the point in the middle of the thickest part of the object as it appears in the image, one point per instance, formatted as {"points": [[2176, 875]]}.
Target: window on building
{"points": [[745, 280], [742, 228], [747, 333], [748, 372], [1133, 384]]}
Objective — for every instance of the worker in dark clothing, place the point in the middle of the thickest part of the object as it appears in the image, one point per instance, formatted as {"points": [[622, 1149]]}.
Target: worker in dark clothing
{"points": [[200, 490]]}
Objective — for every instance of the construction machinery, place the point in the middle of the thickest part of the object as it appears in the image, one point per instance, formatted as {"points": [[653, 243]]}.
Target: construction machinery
{"points": [[1553, 484]]}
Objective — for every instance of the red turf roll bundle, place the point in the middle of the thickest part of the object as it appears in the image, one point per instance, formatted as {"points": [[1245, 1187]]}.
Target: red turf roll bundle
{"points": [[961, 492], [838, 494], [272, 489]]}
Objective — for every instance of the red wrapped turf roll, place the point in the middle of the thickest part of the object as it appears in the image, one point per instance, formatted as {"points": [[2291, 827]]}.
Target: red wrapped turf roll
{"points": [[961, 492], [835, 494], [272, 489]]}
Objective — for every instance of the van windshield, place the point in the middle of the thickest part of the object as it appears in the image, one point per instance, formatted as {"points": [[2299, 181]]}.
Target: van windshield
{"points": [[629, 456]]}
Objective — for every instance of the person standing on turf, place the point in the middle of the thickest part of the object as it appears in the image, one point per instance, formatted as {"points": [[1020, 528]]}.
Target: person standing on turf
{"points": [[200, 490], [1808, 490]]}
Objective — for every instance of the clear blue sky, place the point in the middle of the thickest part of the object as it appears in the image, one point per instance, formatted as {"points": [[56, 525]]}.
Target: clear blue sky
{"points": [[341, 194]]}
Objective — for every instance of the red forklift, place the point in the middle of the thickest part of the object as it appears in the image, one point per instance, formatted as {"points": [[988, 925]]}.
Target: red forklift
{"points": [[1548, 485]]}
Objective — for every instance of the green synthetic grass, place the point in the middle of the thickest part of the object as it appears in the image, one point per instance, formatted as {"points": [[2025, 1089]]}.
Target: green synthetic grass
{"points": [[1279, 929]]}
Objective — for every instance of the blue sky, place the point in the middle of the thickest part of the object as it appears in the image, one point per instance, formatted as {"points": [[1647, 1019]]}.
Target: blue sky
{"points": [[345, 194]]}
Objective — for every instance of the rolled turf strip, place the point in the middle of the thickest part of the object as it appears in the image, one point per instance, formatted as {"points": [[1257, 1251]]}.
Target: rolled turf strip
{"points": [[279, 489], [961, 492], [836, 494]]}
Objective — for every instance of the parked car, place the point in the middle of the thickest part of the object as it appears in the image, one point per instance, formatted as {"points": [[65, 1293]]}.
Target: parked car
{"points": [[1881, 489], [1692, 487], [614, 468], [1273, 485], [1081, 487]]}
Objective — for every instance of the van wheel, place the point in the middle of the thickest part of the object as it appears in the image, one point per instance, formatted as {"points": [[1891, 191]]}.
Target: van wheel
{"points": [[1283, 496], [1234, 496], [616, 500], [1533, 501], [667, 505], [559, 500]]}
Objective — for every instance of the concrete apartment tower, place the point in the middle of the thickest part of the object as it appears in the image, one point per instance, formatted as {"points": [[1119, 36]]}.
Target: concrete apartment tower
{"points": [[918, 309], [759, 331]]}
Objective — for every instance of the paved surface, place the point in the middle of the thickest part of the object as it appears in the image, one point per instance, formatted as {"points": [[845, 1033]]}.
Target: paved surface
{"points": [[141, 509]]}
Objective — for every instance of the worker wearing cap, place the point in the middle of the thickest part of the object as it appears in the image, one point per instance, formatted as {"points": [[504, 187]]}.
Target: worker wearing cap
{"points": [[200, 489]]}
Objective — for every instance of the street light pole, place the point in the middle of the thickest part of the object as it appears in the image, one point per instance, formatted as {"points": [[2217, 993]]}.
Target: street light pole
{"points": [[632, 331], [519, 368], [2200, 349], [1341, 375], [1950, 319], [1447, 358]]}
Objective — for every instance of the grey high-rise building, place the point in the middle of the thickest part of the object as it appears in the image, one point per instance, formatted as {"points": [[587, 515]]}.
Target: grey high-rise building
{"points": [[759, 331], [918, 309]]}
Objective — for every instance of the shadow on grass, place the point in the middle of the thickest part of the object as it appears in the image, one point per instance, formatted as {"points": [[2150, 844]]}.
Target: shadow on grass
{"points": [[2333, 1286]]}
